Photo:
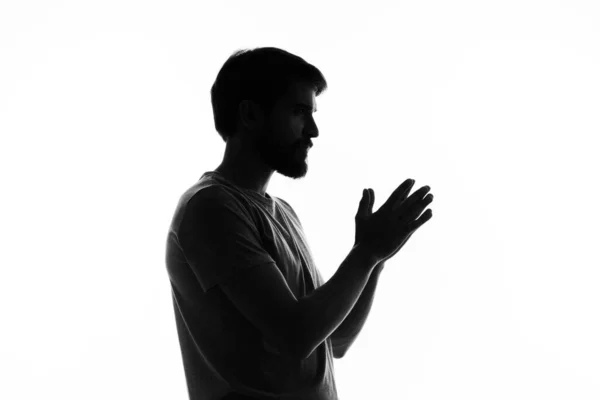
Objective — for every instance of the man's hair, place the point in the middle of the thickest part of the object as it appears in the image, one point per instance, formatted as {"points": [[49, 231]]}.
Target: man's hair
{"points": [[262, 75]]}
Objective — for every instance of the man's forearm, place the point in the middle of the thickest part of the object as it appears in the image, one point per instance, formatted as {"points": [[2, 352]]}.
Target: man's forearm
{"points": [[322, 311], [348, 331]]}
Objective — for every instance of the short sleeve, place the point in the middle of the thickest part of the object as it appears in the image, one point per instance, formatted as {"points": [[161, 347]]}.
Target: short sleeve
{"points": [[218, 237]]}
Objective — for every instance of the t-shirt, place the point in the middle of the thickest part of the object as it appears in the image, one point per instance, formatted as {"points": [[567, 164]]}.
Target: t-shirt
{"points": [[222, 351]]}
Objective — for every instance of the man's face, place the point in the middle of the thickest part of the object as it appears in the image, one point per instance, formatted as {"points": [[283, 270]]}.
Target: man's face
{"points": [[282, 145]]}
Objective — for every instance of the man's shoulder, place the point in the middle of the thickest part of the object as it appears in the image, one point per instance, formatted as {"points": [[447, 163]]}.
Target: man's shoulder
{"points": [[208, 194]]}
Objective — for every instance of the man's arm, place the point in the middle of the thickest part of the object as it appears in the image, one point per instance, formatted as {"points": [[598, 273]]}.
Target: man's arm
{"points": [[345, 335]]}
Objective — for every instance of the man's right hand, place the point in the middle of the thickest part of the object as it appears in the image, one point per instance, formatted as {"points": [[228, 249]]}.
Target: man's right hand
{"points": [[383, 233]]}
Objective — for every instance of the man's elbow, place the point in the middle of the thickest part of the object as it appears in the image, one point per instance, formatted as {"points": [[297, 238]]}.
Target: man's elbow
{"points": [[339, 351], [338, 346]]}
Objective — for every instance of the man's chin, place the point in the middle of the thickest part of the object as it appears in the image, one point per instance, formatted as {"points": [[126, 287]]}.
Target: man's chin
{"points": [[294, 171]]}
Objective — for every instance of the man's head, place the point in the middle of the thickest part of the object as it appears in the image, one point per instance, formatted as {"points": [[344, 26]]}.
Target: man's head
{"points": [[263, 101], [281, 138]]}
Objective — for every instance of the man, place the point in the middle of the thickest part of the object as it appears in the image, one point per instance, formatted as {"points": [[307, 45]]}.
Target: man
{"points": [[254, 317]]}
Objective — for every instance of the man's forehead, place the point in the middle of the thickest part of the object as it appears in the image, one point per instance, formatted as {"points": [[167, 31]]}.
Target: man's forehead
{"points": [[302, 94]]}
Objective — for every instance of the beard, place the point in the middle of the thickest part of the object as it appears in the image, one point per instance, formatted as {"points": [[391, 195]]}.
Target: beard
{"points": [[288, 160]]}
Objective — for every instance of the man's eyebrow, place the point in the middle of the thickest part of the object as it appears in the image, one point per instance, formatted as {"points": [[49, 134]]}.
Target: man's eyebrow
{"points": [[306, 106]]}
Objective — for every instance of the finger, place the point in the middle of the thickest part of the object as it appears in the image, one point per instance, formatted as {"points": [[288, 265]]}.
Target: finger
{"points": [[404, 205], [419, 194], [419, 222], [416, 197], [401, 190], [419, 206], [371, 201]]}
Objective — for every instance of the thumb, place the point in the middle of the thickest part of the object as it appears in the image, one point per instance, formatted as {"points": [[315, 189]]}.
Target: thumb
{"points": [[371, 197], [363, 204]]}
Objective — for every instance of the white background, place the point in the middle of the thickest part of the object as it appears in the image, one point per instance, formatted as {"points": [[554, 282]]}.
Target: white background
{"points": [[106, 119]]}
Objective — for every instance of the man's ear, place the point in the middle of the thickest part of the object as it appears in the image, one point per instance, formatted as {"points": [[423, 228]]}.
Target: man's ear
{"points": [[251, 115]]}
